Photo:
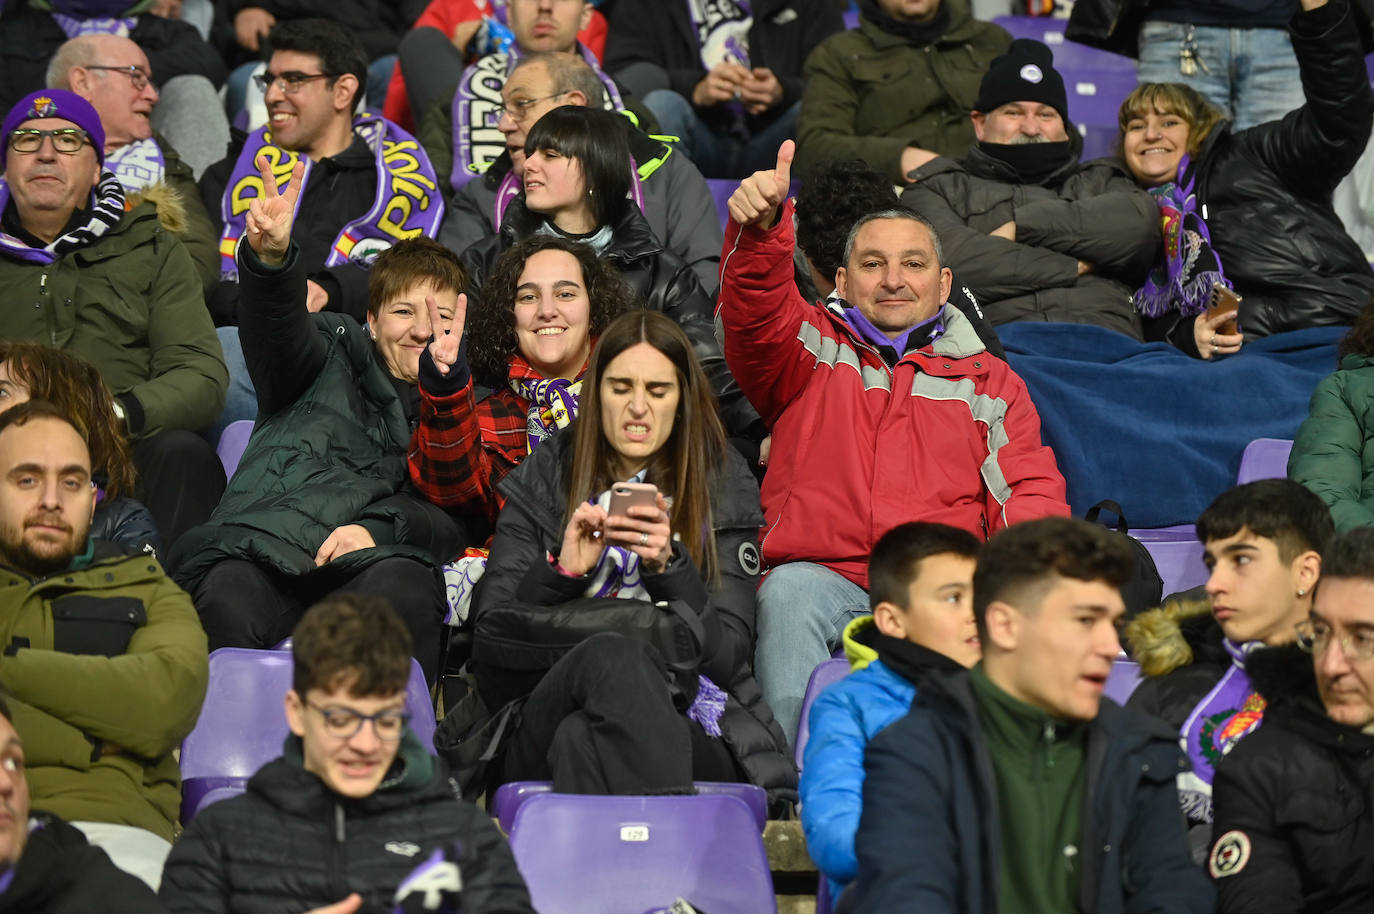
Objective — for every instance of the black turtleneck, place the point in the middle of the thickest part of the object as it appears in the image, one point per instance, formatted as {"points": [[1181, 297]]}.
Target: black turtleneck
{"points": [[916, 34]]}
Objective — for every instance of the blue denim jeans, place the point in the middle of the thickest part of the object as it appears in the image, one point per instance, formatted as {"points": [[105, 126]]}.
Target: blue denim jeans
{"points": [[1251, 74], [719, 155], [802, 611], [241, 400]]}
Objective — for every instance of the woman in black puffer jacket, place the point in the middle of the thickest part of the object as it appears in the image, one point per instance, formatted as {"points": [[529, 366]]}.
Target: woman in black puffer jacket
{"points": [[1252, 208]]}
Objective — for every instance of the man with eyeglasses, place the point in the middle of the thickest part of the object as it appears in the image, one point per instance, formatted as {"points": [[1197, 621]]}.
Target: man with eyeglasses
{"points": [[1295, 800], [84, 270], [354, 803]]}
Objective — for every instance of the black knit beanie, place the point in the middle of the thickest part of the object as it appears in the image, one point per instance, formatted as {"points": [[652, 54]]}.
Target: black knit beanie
{"points": [[1025, 73]]}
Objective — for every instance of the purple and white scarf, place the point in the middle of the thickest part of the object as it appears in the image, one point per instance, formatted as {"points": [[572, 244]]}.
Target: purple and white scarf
{"points": [[553, 405], [138, 164], [75, 28], [1183, 282], [407, 204], [722, 28], [477, 142], [1232, 710], [106, 210]]}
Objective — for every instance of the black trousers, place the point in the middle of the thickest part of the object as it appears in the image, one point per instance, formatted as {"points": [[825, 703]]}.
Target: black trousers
{"points": [[602, 721], [242, 605], [180, 481]]}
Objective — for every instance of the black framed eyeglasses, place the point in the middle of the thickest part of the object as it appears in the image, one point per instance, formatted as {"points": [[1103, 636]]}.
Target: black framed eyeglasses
{"points": [[291, 82], [519, 109], [66, 140], [344, 723], [1314, 636], [136, 76]]}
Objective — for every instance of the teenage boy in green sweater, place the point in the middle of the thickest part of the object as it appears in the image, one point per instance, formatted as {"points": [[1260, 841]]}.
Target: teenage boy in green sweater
{"points": [[1014, 787]]}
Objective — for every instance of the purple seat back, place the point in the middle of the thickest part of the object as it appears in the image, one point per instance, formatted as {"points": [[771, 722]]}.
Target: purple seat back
{"points": [[832, 670], [232, 443], [722, 188], [1122, 680], [511, 796], [1264, 458], [242, 724], [1068, 55], [627, 855], [1178, 560]]}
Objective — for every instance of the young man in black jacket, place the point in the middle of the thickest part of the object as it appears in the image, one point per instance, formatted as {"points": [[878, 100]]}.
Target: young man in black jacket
{"points": [[1295, 801], [354, 803], [1013, 787]]}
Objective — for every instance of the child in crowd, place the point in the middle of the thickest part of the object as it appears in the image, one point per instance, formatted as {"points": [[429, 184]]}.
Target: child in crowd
{"points": [[921, 591]]}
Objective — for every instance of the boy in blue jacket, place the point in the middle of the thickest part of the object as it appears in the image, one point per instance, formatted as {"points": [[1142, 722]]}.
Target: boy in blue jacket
{"points": [[921, 592]]}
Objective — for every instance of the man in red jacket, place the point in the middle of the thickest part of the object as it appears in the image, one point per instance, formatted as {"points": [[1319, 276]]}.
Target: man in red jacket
{"points": [[884, 407]]}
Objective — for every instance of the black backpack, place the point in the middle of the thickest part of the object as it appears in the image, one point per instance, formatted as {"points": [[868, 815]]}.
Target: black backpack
{"points": [[1145, 589]]}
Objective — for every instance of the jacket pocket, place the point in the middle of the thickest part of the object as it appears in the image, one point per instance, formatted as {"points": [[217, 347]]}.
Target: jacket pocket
{"points": [[103, 626]]}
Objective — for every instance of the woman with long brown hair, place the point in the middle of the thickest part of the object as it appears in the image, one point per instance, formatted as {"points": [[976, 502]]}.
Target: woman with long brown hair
{"points": [[653, 716]]}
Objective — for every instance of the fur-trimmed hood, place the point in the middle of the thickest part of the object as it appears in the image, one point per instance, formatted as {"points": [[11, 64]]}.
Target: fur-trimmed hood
{"points": [[1180, 632], [167, 200]]}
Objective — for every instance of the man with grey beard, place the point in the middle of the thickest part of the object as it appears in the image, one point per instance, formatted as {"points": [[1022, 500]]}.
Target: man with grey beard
{"points": [[1032, 231]]}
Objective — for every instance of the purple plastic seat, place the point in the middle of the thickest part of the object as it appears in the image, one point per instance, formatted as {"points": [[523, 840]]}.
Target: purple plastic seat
{"points": [[722, 188], [828, 671], [242, 724], [1068, 55], [1122, 680], [232, 443], [632, 855], [1179, 562], [511, 796], [1264, 458]]}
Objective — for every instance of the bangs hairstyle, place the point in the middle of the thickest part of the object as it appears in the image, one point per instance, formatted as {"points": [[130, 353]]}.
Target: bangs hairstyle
{"points": [[835, 194], [1020, 564], [410, 263], [595, 138], [340, 53], [351, 640], [1171, 98], [685, 468], [897, 557], [491, 328], [75, 389], [1281, 510]]}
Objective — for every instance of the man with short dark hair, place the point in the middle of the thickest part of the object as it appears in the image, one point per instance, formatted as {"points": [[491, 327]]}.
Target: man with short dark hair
{"points": [[104, 658], [1014, 787], [1295, 801], [354, 802]]}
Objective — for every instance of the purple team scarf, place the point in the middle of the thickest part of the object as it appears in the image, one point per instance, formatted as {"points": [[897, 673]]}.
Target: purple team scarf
{"points": [[1232, 710], [407, 204], [512, 186], [138, 164], [476, 140], [722, 28], [1183, 282], [553, 405], [75, 28], [106, 211], [934, 326]]}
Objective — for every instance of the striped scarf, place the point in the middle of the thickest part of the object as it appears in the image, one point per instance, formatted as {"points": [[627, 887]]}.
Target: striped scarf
{"points": [[552, 401], [106, 211]]}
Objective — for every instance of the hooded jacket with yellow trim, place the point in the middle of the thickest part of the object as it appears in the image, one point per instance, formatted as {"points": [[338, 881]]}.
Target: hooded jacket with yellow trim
{"points": [[106, 668], [948, 435]]}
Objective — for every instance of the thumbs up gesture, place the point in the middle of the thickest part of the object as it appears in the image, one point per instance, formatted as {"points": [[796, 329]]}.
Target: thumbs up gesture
{"points": [[757, 199]]}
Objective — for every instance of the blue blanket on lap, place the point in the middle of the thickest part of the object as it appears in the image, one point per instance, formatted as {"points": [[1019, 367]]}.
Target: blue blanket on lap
{"points": [[1147, 426]]}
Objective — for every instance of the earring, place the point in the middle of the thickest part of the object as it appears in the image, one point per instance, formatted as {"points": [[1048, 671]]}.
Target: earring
{"points": [[1302, 591]]}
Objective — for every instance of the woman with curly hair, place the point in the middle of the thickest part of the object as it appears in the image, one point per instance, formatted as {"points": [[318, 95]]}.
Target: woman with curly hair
{"points": [[32, 371]]}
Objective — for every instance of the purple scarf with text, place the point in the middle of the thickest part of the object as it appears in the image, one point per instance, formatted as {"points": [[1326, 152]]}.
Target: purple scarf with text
{"points": [[1232, 710]]}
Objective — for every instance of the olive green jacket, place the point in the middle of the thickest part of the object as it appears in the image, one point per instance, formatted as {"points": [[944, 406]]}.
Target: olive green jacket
{"points": [[870, 94], [106, 669]]}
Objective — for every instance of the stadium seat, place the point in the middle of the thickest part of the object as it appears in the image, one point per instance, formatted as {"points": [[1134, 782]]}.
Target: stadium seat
{"points": [[509, 797], [232, 442], [1178, 560], [242, 724], [596, 854], [1264, 458], [722, 188], [1122, 680], [1068, 55], [832, 670]]}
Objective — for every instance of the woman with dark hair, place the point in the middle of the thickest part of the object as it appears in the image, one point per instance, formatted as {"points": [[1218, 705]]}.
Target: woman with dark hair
{"points": [[610, 716], [580, 184], [1331, 453], [32, 371], [1251, 209]]}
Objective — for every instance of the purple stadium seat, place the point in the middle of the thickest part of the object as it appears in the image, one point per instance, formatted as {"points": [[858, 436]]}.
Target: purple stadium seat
{"points": [[630, 855], [242, 724], [832, 670], [722, 188], [508, 799], [1068, 55], [232, 442], [1122, 680], [1178, 560], [1264, 458]]}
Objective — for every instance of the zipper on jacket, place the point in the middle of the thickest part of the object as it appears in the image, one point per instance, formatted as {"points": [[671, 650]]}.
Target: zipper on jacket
{"points": [[338, 872]]}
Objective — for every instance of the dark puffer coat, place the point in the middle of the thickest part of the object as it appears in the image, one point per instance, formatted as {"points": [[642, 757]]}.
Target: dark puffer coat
{"points": [[60, 873], [291, 844], [531, 526]]}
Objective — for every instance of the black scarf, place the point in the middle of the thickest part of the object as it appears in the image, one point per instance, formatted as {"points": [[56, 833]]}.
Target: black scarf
{"points": [[916, 34], [1032, 162]]}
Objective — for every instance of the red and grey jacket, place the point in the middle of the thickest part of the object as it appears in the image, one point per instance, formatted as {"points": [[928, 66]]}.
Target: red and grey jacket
{"points": [[949, 434]]}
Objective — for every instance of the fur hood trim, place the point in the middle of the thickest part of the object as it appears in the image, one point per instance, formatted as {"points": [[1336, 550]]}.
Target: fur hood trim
{"points": [[1157, 640], [166, 199]]}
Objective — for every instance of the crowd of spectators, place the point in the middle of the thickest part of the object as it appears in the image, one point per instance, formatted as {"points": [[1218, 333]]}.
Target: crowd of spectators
{"points": [[618, 461]]}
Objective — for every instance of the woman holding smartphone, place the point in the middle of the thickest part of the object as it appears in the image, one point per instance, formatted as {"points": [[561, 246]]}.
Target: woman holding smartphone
{"points": [[607, 717], [1251, 209]]}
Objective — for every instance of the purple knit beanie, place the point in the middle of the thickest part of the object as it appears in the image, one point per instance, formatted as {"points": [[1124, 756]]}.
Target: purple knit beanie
{"points": [[54, 103]]}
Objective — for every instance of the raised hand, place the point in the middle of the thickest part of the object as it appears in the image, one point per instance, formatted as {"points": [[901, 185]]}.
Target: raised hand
{"points": [[756, 200], [271, 213], [447, 334]]}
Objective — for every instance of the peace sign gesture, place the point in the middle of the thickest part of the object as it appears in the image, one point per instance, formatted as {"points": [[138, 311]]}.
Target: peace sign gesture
{"points": [[271, 213], [446, 334]]}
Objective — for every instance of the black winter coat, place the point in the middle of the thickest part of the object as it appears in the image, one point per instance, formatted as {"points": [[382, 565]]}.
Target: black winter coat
{"points": [[1294, 802], [61, 873], [126, 522], [929, 838], [531, 525], [290, 844], [661, 280]]}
